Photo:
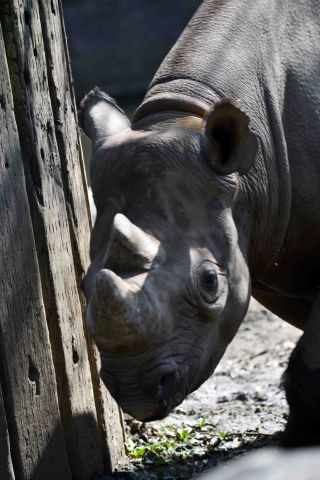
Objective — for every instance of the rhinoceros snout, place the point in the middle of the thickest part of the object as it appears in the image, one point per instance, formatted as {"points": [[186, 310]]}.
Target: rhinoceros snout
{"points": [[147, 397], [161, 390]]}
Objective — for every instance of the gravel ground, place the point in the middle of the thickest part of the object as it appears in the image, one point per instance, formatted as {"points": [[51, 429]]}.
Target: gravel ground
{"points": [[240, 408]]}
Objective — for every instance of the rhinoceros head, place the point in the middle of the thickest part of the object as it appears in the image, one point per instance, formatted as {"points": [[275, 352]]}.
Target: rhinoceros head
{"points": [[168, 284]]}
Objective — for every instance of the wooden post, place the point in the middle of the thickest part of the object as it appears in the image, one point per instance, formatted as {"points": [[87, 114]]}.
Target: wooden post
{"points": [[62, 422], [6, 469]]}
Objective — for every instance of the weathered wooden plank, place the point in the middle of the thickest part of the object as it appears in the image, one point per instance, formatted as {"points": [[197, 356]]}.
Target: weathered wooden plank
{"points": [[111, 422], [26, 367], [6, 469], [29, 69], [65, 121], [73, 176]]}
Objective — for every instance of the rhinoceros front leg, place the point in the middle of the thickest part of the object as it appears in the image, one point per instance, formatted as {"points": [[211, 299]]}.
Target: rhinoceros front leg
{"points": [[302, 384]]}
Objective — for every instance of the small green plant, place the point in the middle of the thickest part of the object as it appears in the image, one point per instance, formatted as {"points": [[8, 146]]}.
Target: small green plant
{"points": [[201, 422], [183, 433], [169, 443], [133, 450], [222, 435]]}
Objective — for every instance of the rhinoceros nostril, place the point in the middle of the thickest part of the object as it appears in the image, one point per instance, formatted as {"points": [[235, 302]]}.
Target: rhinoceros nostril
{"points": [[165, 384], [159, 382]]}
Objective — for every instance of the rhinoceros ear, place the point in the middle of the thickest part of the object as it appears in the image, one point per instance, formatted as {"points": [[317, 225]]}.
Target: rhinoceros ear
{"points": [[100, 117], [232, 145]]}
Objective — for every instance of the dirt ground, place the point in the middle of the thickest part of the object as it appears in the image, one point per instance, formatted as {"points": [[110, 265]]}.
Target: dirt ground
{"points": [[240, 408]]}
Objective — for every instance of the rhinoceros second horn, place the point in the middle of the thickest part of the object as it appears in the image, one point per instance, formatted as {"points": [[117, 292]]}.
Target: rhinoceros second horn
{"points": [[130, 248]]}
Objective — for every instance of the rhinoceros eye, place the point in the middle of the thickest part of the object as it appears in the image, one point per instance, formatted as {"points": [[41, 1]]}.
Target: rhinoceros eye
{"points": [[207, 282]]}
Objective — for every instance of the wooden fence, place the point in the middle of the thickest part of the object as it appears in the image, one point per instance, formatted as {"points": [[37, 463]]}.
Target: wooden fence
{"points": [[57, 421]]}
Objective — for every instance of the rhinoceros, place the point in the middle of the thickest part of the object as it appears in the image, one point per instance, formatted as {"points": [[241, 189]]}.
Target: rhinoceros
{"points": [[209, 196]]}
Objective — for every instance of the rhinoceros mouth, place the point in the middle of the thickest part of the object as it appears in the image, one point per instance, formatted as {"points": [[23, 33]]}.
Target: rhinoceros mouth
{"points": [[157, 411], [160, 412]]}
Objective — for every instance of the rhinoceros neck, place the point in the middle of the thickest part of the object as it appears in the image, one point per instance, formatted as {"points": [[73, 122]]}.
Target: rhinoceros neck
{"points": [[230, 49], [182, 95]]}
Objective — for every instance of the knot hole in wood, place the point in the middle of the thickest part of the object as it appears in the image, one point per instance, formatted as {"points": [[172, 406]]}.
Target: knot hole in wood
{"points": [[34, 376]]}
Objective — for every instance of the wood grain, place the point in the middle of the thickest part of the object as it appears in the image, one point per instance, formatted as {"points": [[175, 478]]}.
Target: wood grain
{"points": [[26, 367], [6, 469]]}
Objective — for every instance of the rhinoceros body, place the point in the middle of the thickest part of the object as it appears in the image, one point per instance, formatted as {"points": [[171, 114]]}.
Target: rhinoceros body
{"points": [[210, 195]]}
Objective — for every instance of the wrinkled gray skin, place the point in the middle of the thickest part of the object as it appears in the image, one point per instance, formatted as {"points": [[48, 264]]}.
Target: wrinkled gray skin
{"points": [[210, 195]]}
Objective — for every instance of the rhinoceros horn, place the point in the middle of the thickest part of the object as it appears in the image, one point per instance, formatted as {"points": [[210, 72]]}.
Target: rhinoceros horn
{"points": [[119, 314], [130, 248]]}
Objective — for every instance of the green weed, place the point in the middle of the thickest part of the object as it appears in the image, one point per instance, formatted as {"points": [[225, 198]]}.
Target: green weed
{"points": [[168, 443]]}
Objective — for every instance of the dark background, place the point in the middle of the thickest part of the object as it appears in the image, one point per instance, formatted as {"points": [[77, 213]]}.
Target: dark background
{"points": [[119, 44]]}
